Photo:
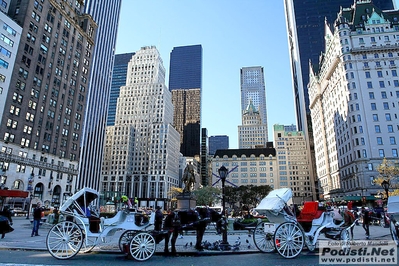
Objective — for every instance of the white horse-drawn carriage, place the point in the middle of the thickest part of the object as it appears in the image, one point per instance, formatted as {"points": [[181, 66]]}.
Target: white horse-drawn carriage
{"points": [[393, 212], [82, 229], [288, 233]]}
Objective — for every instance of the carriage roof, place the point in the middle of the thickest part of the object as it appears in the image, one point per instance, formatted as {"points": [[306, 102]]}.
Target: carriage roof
{"points": [[393, 204], [80, 199], [275, 200]]}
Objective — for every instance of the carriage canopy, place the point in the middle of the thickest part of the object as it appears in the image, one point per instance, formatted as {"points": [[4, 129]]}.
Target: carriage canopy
{"points": [[393, 204], [79, 202], [275, 200]]}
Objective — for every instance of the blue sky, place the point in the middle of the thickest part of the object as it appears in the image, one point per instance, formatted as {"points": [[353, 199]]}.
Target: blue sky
{"points": [[233, 34]]}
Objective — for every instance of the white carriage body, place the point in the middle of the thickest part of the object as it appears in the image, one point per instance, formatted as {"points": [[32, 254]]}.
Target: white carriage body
{"points": [[393, 205]]}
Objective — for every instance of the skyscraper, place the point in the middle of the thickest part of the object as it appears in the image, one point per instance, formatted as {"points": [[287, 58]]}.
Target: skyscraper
{"points": [[118, 79], [253, 89], [42, 124], [185, 83], [106, 15], [142, 149], [305, 26], [252, 133], [220, 142]]}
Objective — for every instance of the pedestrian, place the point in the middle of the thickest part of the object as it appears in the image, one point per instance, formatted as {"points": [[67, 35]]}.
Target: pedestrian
{"points": [[37, 217], [366, 222], [6, 213], [158, 219]]}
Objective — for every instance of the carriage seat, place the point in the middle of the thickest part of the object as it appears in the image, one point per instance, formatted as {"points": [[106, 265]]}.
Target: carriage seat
{"points": [[309, 212], [119, 217]]}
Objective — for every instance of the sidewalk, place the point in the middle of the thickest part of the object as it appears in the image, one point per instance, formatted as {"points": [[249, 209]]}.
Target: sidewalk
{"points": [[21, 238]]}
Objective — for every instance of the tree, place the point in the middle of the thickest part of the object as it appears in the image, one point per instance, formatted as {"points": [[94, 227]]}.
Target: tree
{"points": [[208, 195], [388, 171]]}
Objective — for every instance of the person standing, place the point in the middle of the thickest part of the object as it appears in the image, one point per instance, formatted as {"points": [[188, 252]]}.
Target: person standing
{"points": [[158, 219], [37, 217], [6, 213], [366, 222]]}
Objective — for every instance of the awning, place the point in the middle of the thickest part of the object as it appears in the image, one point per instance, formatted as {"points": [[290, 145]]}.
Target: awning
{"points": [[355, 198], [13, 193]]}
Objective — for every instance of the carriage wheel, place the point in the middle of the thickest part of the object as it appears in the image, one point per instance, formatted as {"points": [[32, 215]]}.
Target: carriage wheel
{"points": [[288, 240], [263, 241], [142, 246], [394, 232], [125, 239], [64, 240], [91, 243]]}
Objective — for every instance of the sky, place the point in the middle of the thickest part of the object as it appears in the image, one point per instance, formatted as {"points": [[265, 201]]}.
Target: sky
{"points": [[233, 34]]}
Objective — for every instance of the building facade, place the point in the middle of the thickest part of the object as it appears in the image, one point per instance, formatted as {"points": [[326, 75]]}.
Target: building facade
{"points": [[42, 122], [220, 142], [119, 74], [253, 89], [248, 166], [305, 30], [294, 163], [252, 133], [353, 100], [106, 15], [142, 148], [185, 83]]}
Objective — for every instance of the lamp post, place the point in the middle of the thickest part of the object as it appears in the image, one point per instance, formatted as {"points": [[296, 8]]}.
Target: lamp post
{"points": [[385, 186], [223, 172], [30, 188]]}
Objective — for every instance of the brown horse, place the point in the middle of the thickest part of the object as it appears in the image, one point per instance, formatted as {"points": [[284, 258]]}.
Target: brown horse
{"points": [[198, 219]]}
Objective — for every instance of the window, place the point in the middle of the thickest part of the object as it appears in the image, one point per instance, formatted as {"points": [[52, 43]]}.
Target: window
{"points": [[394, 73], [379, 74], [384, 94], [386, 105], [390, 128], [369, 85], [377, 129], [382, 84], [373, 106], [392, 140], [379, 141], [371, 95], [394, 153], [375, 117], [388, 117], [381, 153]]}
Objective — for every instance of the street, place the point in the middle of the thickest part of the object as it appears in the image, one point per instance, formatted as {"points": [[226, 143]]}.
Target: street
{"points": [[18, 257]]}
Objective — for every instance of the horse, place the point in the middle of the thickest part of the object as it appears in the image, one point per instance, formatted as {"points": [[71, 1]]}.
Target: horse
{"points": [[198, 219]]}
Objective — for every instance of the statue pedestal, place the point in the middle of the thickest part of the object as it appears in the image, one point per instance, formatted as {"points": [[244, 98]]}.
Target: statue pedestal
{"points": [[186, 202]]}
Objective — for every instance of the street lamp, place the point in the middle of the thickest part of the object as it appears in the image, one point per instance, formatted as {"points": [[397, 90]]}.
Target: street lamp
{"points": [[385, 186], [30, 188], [223, 172]]}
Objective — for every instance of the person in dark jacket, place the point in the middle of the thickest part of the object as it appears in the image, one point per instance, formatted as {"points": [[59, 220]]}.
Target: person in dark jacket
{"points": [[37, 217], [366, 222], [6, 213], [158, 219]]}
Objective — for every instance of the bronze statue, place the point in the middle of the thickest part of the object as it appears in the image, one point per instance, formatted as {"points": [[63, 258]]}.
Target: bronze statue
{"points": [[188, 178]]}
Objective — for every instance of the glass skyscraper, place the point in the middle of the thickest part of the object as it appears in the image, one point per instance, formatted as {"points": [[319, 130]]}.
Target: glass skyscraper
{"points": [[185, 70], [118, 79], [220, 142], [185, 83], [106, 14]]}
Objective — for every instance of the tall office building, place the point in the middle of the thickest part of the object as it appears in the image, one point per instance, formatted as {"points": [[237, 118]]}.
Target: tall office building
{"points": [[253, 89], [305, 26], [204, 158], [119, 75], [252, 133], [142, 149], [42, 123], [185, 83], [106, 15], [353, 101], [220, 142]]}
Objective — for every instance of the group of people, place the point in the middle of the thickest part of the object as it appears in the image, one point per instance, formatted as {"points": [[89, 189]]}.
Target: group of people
{"points": [[350, 218], [37, 216]]}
